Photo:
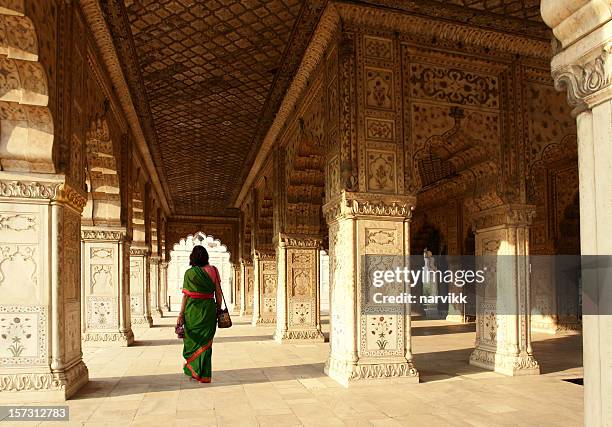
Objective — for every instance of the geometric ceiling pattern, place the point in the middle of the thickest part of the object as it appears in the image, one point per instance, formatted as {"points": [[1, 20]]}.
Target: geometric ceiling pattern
{"points": [[207, 69], [522, 9], [208, 76]]}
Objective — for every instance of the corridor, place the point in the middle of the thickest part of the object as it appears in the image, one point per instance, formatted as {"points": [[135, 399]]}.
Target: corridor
{"points": [[259, 382]]}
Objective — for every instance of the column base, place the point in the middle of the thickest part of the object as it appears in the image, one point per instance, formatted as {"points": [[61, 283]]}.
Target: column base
{"points": [[507, 364], [157, 314], [142, 322], [351, 374], [115, 338], [286, 337], [43, 386]]}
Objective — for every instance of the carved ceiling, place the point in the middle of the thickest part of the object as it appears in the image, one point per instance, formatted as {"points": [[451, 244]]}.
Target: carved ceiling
{"points": [[207, 77]]}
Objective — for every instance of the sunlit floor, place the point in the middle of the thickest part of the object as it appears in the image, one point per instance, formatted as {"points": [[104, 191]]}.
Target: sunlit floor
{"points": [[259, 382]]}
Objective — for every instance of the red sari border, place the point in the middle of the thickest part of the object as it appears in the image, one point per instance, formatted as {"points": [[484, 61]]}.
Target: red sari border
{"points": [[193, 357], [198, 295]]}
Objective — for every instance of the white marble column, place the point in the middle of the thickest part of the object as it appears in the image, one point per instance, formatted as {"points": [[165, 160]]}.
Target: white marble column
{"points": [[40, 291], [264, 289], [237, 288], [105, 287], [247, 275], [154, 280], [163, 280], [503, 308], [365, 344], [140, 296], [582, 66], [298, 299]]}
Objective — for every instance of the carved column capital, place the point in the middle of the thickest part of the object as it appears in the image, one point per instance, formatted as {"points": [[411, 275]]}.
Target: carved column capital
{"points": [[298, 241], [53, 189], [139, 251], [103, 234], [588, 79], [348, 204], [509, 215]]}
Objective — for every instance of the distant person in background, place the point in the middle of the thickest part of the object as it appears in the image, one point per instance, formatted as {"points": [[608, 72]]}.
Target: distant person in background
{"points": [[198, 315]]}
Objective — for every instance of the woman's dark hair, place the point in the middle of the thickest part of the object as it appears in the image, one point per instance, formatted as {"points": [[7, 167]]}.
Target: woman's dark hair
{"points": [[198, 257]]}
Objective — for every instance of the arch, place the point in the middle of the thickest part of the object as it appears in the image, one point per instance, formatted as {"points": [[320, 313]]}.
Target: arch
{"points": [[220, 257], [210, 243], [26, 123]]}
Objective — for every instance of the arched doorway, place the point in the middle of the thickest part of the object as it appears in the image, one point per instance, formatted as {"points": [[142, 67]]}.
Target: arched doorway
{"points": [[179, 264]]}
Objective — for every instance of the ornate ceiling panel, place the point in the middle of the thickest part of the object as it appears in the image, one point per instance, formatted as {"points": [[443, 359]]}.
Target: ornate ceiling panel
{"points": [[522, 9], [213, 72]]}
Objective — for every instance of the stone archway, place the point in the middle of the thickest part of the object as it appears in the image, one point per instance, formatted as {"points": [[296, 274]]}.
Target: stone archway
{"points": [[179, 264], [26, 123]]}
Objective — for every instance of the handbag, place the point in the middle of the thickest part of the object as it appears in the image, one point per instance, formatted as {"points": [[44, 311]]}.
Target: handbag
{"points": [[180, 331], [223, 317]]}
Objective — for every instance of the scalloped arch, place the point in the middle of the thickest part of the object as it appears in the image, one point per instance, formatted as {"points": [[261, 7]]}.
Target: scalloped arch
{"points": [[26, 123]]}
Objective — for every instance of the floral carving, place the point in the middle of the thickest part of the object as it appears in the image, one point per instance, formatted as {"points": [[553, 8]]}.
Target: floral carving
{"points": [[379, 85], [381, 327], [378, 48], [379, 129], [17, 222], [381, 171], [453, 85]]}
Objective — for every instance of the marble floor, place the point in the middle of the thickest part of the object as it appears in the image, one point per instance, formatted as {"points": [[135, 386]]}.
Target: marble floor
{"points": [[259, 382]]}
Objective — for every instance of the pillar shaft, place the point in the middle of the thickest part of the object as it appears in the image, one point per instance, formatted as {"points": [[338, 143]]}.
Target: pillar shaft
{"points": [[155, 287], [264, 289], [365, 343], [298, 300], [163, 278], [247, 275], [503, 331], [105, 287], [40, 307], [140, 293], [583, 67]]}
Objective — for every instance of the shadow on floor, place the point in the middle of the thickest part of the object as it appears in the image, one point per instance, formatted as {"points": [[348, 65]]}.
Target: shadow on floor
{"points": [[455, 328], [558, 354], [218, 340], [128, 385]]}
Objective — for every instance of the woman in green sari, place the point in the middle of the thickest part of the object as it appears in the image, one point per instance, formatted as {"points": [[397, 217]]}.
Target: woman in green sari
{"points": [[201, 301]]}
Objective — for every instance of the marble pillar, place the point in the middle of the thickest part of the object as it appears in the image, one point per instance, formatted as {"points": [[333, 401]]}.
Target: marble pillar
{"points": [[298, 299], [582, 66], [503, 328], [237, 288], [40, 303], [248, 278], [366, 345], [154, 280], [105, 287], [264, 289], [140, 293], [163, 286]]}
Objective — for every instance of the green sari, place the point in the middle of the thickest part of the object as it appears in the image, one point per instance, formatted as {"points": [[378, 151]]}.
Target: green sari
{"points": [[200, 323]]}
